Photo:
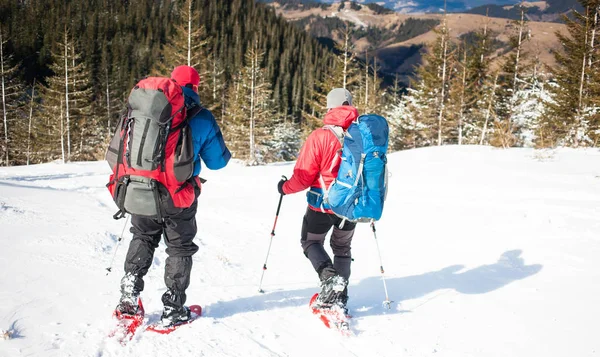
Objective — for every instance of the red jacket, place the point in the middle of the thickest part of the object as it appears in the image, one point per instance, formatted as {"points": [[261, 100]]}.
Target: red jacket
{"points": [[320, 154]]}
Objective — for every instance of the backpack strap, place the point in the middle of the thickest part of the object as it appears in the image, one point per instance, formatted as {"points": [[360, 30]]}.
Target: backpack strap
{"points": [[189, 114], [338, 131]]}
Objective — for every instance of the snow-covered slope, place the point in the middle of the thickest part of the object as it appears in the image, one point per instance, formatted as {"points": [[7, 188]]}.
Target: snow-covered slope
{"points": [[486, 253]]}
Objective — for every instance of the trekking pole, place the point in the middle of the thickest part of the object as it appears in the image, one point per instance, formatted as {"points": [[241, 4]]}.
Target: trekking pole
{"points": [[387, 303], [109, 269], [260, 290]]}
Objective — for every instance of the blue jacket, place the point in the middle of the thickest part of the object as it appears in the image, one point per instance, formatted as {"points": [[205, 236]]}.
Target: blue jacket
{"points": [[208, 139]]}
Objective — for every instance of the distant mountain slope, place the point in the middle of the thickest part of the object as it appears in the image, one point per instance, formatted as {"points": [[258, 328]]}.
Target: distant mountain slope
{"points": [[396, 38]]}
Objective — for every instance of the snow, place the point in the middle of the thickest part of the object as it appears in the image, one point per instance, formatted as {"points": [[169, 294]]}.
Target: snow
{"points": [[486, 252]]}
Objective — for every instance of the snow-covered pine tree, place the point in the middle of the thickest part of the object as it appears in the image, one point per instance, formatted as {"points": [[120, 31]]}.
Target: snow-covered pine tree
{"points": [[285, 143], [531, 104], [406, 128]]}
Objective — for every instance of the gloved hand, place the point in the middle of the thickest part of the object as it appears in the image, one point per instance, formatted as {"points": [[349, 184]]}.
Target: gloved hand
{"points": [[280, 186]]}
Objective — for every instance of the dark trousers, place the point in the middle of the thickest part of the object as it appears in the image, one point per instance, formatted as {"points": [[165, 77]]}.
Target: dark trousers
{"points": [[315, 226], [178, 231]]}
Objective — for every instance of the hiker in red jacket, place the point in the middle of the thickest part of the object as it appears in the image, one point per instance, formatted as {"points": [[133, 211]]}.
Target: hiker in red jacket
{"points": [[316, 168]]}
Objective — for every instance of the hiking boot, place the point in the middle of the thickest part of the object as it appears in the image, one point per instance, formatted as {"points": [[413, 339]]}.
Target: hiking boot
{"points": [[174, 311], [175, 316], [333, 292], [128, 304]]}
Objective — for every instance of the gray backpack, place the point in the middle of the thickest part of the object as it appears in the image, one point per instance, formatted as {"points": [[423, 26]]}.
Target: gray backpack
{"points": [[151, 153]]}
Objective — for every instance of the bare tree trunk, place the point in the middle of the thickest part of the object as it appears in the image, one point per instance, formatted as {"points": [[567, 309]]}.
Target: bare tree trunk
{"points": [[375, 98], [513, 98], [396, 98], [252, 104], [107, 102], [67, 97], [366, 81], [489, 110], [189, 56], [62, 130], [214, 75], [30, 122], [484, 35], [462, 97], [443, 89], [81, 132], [2, 42], [518, 54], [582, 77], [593, 38], [346, 39]]}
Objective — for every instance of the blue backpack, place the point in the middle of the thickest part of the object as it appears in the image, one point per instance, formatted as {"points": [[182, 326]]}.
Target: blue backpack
{"points": [[358, 192]]}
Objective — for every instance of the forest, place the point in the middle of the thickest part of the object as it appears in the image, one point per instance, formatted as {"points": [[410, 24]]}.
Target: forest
{"points": [[68, 66], [467, 93]]}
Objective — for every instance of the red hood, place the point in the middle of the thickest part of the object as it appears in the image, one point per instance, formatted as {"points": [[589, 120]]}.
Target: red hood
{"points": [[341, 116]]}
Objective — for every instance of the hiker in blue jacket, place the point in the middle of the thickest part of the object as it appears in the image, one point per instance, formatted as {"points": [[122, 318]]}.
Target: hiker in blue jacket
{"points": [[179, 230]]}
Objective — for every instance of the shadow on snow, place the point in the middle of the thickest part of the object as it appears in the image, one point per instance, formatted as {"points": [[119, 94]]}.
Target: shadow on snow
{"points": [[368, 294]]}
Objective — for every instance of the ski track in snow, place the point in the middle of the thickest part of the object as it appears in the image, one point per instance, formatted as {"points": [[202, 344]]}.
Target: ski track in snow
{"points": [[486, 253]]}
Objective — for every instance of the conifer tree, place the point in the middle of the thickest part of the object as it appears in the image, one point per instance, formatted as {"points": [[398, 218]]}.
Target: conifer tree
{"points": [[250, 111], [187, 45], [374, 97], [234, 126], [111, 96], [33, 110], [532, 101], [433, 85], [511, 82], [572, 117], [346, 67], [285, 143], [258, 106], [478, 85], [406, 128], [214, 98], [68, 99], [11, 91], [490, 107], [457, 93]]}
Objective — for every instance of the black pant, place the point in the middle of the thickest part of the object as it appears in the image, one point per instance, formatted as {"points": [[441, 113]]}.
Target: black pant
{"points": [[315, 226], [179, 231]]}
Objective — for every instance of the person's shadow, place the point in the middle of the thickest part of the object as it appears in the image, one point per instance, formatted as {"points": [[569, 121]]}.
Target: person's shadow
{"points": [[366, 297]]}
